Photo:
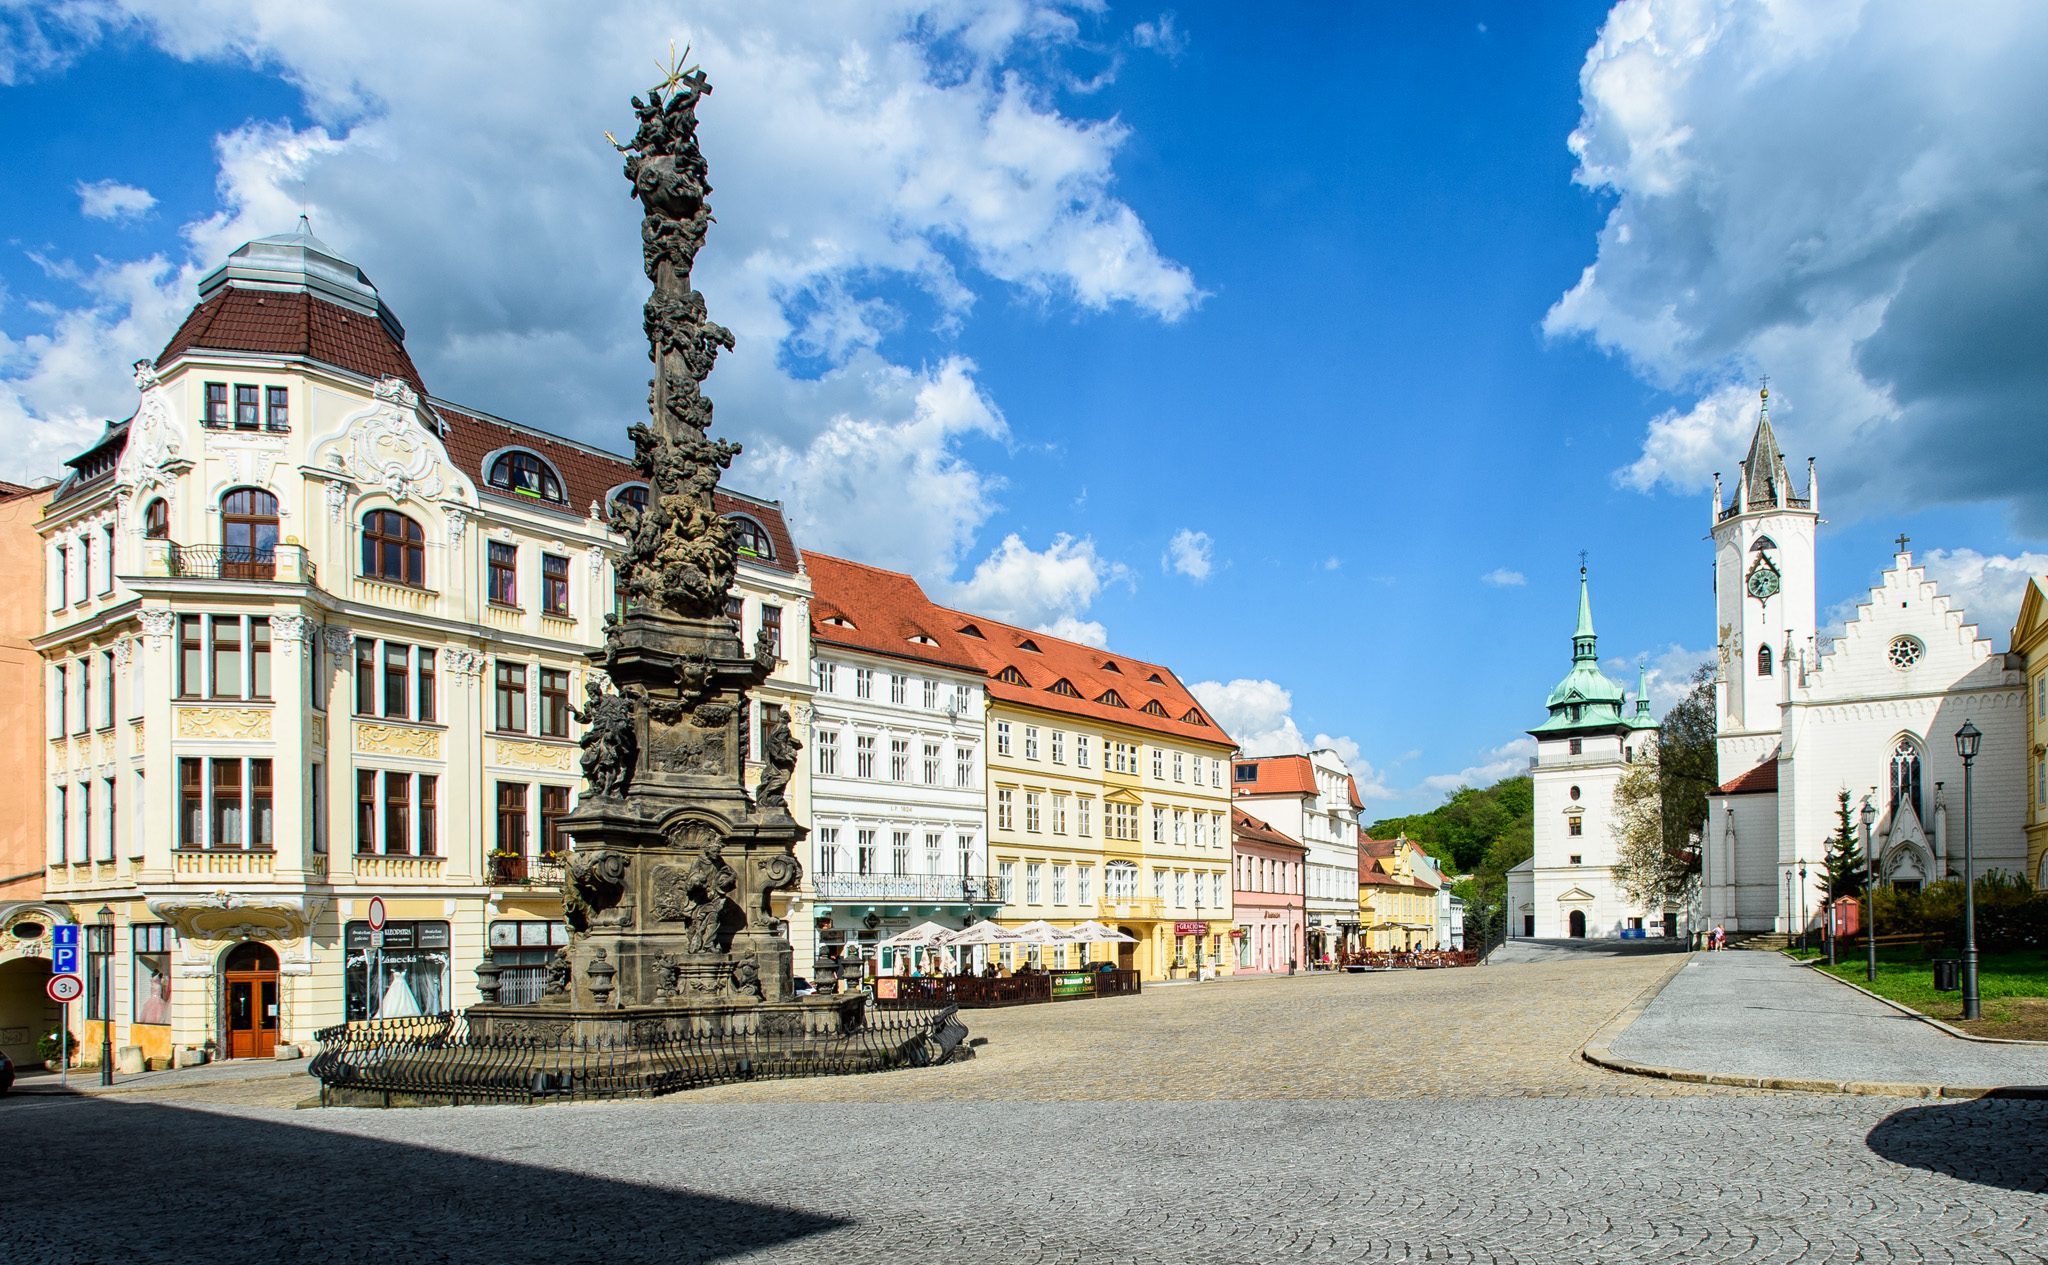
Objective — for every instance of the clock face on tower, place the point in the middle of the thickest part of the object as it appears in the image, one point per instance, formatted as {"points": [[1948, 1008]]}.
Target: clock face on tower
{"points": [[1763, 581]]}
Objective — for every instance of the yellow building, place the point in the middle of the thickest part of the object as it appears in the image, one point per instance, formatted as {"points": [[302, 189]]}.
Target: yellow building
{"points": [[2030, 641], [1109, 799], [1397, 895]]}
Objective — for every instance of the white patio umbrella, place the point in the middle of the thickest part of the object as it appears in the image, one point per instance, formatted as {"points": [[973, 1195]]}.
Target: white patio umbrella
{"points": [[983, 933], [1043, 932], [1092, 932], [924, 933]]}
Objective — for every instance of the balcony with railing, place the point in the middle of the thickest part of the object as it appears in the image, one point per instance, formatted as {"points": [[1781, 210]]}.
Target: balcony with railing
{"points": [[525, 871], [924, 889], [288, 563]]}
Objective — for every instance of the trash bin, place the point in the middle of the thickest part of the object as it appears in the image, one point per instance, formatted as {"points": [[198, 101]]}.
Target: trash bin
{"points": [[1948, 974]]}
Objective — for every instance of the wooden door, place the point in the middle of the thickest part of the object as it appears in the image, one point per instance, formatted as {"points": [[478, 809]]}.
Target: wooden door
{"points": [[1126, 953], [249, 990]]}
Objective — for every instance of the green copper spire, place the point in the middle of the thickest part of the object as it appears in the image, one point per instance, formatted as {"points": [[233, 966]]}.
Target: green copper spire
{"points": [[1584, 643]]}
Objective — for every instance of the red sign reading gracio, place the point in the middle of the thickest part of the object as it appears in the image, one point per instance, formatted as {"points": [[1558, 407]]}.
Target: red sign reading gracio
{"points": [[1191, 928]]}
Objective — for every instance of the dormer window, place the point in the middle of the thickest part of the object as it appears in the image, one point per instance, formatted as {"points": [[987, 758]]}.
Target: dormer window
{"points": [[633, 494], [1011, 676], [1153, 709], [1028, 644], [751, 537], [1110, 698], [839, 621], [524, 474], [969, 630]]}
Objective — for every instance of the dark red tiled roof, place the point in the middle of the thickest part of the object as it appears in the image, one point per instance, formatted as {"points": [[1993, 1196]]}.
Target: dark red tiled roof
{"points": [[287, 323], [1764, 777], [1043, 662], [886, 609], [1277, 775]]}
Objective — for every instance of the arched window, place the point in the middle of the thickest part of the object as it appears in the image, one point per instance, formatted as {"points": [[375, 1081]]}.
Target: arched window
{"points": [[1763, 660], [751, 537], [1906, 776], [248, 535], [393, 548], [633, 494], [156, 520], [524, 473]]}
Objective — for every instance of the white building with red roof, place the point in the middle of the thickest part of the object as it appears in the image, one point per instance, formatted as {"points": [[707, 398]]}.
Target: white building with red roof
{"points": [[1313, 798], [899, 807]]}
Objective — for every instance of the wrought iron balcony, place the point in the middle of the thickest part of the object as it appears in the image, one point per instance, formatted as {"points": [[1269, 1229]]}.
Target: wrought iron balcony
{"points": [[921, 888], [238, 562], [521, 871]]}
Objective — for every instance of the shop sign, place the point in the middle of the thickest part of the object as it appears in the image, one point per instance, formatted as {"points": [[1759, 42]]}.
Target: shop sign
{"points": [[1191, 928], [1075, 984]]}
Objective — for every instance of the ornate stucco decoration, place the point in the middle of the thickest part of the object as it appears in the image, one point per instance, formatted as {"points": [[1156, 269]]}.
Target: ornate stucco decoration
{"points": [[390, 447], [242, 724], [463, 663], [513, 753], [154, 453], [288, 632], [156, 624], [224, 915], [397, 740]]}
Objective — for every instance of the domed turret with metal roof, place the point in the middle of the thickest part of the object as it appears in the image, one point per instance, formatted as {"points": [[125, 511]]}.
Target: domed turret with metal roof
{"points": [[299, 261], [1585, 700]]}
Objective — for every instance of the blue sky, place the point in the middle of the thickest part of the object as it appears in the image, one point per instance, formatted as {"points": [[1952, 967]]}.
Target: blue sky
{"points": [[1264, 346]]}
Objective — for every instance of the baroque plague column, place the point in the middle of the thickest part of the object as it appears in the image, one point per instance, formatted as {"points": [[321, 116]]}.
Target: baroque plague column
{"points": [[671, 888]]}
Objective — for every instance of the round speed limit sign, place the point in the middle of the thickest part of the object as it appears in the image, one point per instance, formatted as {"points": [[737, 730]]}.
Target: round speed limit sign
{"points": [[65, 988]]}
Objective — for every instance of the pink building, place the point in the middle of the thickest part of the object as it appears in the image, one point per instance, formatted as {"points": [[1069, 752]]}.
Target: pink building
{"points": [[1268, 896]]}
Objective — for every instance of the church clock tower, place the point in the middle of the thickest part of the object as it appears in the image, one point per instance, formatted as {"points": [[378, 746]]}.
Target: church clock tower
{"points": [[1763, 596]]}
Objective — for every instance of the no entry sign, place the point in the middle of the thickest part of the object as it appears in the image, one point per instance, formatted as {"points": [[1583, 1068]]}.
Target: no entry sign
{"points": [[376, 913]]}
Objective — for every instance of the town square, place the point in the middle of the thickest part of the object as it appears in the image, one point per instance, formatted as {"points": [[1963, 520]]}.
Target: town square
{"points": [[1136, 673]]}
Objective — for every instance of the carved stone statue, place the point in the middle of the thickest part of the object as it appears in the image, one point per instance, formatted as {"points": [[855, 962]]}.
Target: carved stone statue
{"points": [[779, 749], [610, 747], [707, 889], [557, 978], [594, 883]]}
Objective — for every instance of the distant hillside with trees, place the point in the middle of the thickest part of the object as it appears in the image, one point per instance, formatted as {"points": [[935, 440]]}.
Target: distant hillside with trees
{"points": [[1476, 831]]}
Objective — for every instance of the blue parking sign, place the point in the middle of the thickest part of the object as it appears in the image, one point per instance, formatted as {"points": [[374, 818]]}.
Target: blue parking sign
{"points": [[64, 949]]}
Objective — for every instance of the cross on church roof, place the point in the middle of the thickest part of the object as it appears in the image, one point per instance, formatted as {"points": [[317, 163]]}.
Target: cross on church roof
{"points": [[1904, 540], [1582, 562]]}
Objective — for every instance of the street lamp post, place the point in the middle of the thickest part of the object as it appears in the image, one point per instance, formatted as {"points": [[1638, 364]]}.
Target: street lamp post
{"points": [[103, 944], [1788, 904], [1803, 923], [1968, 739], [1869, 893]]}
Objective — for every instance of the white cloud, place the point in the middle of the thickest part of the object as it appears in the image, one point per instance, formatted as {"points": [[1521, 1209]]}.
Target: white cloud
{"points": [[1332, 562], [1505, 760], [1188, 554], [1048, 589], [1259, 714], [1668, 670], [870, 161], [1843, 197], [1987, 587], [1161, 35], [1502, 578], [112, 200]]}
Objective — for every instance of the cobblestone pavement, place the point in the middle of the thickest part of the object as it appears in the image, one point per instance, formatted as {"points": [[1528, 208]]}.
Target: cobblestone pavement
{"points": [[1761, 1014], [1195, 1124]]}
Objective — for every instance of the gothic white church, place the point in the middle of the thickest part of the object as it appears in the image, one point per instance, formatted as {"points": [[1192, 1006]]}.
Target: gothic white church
{"points": [[1874, 713]]}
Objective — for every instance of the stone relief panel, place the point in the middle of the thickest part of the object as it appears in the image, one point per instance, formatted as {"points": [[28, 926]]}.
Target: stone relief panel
{"points": [[401, 740], [245, 724], [319, 731], [156, 438]]}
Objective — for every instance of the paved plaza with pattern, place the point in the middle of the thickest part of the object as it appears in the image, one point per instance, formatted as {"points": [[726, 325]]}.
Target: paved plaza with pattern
{"points": [[1435, 1116]]}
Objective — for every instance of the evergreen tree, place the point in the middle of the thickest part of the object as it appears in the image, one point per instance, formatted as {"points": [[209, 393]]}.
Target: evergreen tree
{"points": [[1841, 871]]}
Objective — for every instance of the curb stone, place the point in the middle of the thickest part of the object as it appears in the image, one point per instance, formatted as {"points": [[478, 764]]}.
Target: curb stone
{"points": [[1599, 1052]]}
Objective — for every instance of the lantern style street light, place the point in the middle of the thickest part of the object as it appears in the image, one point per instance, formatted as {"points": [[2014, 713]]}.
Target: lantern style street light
{"points": [[1803, 923], [1968, 739], [1869, 892], [103, 944]]}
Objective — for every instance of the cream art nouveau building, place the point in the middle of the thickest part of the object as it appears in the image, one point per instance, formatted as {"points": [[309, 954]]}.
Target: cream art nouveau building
{"points": [[313, 637], [1874, 714]]}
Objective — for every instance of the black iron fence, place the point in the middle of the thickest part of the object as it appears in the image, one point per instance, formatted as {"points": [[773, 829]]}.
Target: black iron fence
{"points": [[436, 1059]]}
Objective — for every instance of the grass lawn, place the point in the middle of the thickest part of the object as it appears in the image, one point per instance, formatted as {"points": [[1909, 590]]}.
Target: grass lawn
{"points": [[2013, 987]]}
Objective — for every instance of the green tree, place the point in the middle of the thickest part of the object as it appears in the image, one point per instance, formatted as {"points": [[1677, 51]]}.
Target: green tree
{"points": [[1686, 763], [1650, 870], [1841, 866]]}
